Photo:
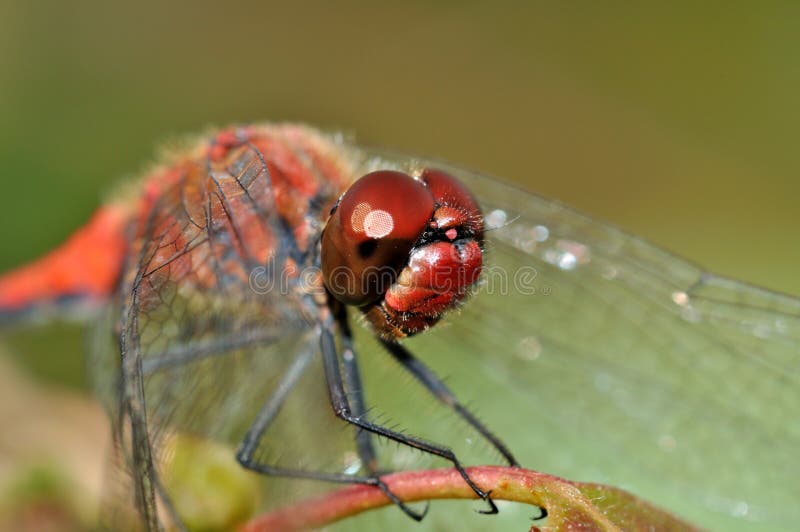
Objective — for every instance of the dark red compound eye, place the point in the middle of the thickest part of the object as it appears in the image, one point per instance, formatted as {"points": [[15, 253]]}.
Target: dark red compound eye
{"points": [[404, 250], [457, 207], [370, 235]]}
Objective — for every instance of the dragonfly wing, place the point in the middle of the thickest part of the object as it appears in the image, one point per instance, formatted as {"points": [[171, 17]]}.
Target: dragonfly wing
{"points": [[209, 326], [600, 357], [593, 354]]}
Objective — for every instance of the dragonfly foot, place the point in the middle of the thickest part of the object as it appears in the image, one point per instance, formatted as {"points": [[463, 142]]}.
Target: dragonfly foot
{"points": [[416, 516], [492, 506]]}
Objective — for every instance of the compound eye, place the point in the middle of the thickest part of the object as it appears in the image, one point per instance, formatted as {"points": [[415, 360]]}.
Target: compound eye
{"points": [[370, 235], [457, 206]]}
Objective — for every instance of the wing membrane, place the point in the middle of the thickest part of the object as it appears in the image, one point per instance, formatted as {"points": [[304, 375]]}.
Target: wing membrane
{"points": [[598, 356], [209, 328], [593, 354]]}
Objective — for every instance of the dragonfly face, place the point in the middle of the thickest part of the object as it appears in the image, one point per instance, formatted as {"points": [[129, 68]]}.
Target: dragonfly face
{"points": [[592, 354], [404, 250]]}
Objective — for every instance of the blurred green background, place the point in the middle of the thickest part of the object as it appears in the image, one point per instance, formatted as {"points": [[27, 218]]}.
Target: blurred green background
{"points": [[677, 122]]}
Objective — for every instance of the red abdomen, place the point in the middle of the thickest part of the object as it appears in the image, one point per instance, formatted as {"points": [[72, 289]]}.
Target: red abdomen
{"points": [[84, 267]]}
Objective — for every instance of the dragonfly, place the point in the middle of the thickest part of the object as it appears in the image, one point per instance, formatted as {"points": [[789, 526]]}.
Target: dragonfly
{"points": [[323, 313]]}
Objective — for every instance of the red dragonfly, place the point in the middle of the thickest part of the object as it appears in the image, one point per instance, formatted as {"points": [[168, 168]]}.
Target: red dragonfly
{"points": [[232, 276]]}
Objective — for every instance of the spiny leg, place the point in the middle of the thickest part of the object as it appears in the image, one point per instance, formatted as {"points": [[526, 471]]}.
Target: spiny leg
{"points": [[352, 382], [270, 409], [266, 415], [343, 409], [439, 390]]}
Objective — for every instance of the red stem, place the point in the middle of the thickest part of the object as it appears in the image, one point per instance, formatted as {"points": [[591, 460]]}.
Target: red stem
{"points": [[563, 500]]}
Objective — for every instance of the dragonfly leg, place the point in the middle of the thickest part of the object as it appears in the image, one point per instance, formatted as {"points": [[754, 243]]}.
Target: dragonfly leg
{"points": [[352, 382], [343, 409], [271, 408], [265, 416], [439, 390]]}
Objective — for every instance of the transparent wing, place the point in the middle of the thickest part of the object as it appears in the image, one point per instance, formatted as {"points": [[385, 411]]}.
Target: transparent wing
{"points": [[599, 357], [592, 354], [209, 330]]}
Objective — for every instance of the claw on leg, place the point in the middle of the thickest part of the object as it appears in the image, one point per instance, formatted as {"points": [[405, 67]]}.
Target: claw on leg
{"points": [[492, 506], [542, 514], [416, 516]]}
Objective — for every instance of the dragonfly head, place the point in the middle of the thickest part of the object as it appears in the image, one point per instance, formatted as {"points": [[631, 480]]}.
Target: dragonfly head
{"points": [[404, 250]]}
